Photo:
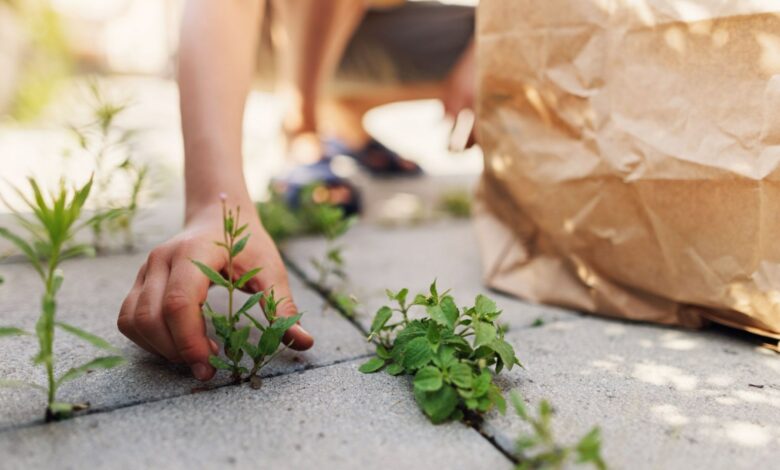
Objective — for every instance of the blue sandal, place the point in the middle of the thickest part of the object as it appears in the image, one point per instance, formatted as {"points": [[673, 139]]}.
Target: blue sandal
{"points": [[377, 159], [291, 185]]}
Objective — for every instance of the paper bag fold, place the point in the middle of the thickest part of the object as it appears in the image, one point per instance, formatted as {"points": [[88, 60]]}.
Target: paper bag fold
{"points": [[632, 157]]}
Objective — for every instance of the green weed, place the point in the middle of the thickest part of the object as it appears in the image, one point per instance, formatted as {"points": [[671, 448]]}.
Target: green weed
{"points": [[314, 218], [51, 230], [235, 338], [456, 203], [453, 353], [539, 449], [111, 149]]}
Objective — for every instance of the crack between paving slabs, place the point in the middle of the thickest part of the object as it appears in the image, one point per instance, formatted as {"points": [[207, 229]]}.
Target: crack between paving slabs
{"points": [[130, 404], [325, 292]]}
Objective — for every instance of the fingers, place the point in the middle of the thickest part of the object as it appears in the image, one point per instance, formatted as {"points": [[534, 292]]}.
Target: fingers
{"points": [[125, 322], [186, 290], [162, 313], [275, 277], [149, 318]]}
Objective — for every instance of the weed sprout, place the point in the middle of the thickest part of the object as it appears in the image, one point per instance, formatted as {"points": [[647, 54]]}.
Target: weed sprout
{"points": [[236, 338], [49, 242]]}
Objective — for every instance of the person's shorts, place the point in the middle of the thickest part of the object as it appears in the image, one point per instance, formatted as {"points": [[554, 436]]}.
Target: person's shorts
{"points": [[416, 42]]}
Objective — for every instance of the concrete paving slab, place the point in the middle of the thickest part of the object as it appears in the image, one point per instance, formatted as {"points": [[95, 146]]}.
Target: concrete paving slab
{"points": [[664, 398], [377, 258], [330, 418], [90, 298]]}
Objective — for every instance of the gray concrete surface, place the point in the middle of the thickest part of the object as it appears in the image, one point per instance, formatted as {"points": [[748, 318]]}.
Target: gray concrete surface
{"points": [[378, 258], [664, 398], [90, 298], [331, 417]]}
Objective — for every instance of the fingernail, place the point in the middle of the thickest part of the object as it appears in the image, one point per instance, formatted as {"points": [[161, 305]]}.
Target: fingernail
{"points": [[214, 346], [200, 371], [303, 330]]}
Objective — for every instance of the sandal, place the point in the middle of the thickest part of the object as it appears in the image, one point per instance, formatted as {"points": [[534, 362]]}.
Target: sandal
{"points": [[377, 159], [340, 191]]}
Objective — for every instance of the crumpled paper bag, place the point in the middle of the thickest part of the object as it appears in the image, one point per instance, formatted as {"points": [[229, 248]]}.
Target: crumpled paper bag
{"points": [[632, 157]]}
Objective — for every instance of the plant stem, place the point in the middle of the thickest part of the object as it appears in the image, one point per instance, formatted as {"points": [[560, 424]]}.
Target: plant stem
{"points": [[229, 241], [50, 296]]}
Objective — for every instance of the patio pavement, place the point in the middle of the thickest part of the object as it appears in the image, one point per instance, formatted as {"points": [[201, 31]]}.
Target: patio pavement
{"points": [[664, 398]]}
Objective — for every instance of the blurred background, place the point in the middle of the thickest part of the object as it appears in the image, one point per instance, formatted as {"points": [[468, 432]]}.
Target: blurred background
{"points": [[61, 60]]}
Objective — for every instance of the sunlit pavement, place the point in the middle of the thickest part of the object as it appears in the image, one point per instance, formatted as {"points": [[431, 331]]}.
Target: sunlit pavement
{"points": [[664, 398]]}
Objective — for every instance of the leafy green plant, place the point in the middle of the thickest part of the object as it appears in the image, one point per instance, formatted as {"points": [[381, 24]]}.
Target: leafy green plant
{"points": [[51, 230], [236, 338], [110, 146], [453, 353], [456, 203], [310, 216], [539, 449], [313, 216], [332, 224]]}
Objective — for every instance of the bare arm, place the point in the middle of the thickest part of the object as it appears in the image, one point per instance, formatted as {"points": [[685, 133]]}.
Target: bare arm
{"points": [[216, 62], [162, 312]]}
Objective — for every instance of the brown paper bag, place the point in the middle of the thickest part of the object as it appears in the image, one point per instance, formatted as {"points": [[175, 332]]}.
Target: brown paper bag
{"points": [[632, 154]]}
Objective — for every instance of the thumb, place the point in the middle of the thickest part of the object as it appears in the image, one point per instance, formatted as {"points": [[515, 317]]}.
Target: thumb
{"points": [[296, 337], [275, 280]]}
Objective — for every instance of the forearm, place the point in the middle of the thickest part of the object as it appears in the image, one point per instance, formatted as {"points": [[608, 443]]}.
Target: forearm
{"points": [[216, 62]]}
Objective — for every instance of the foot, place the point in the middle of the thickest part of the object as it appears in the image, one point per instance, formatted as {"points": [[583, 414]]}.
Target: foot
{"points": [[332, 189], [377, 159]]}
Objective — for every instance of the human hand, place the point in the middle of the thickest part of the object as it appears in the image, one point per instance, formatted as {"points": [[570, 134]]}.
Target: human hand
{"points": [[458, 100], [162, 312]]}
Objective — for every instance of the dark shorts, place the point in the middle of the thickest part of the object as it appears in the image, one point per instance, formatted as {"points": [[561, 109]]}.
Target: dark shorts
{"points": [[417, 42]]}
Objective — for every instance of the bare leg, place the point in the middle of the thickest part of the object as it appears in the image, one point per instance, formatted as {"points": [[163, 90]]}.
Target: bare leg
{"points": [[316, 33], [342, 116]]}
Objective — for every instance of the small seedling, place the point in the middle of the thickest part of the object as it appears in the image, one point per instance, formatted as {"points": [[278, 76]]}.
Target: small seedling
{"points": [[456, 203], [51, 230], [314, 216], [311, 215], [333, 224], [111, 149], [452, 353], [539, 449], [236, 338]]}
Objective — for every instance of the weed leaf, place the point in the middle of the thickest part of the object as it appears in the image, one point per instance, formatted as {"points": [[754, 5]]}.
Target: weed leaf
{"points": [[88, 337], [372, 365], [239, 246], [218, 363], [485, 333], [394, 369], [505, 351], [428, 379], [484, 305], [213, 276], [438, 405], [270, 341], [246, 277], [250, 302], [461, 375], [25, 247], [381, 318], [8, 383], [12, 331], [285, 323], [417, 353], [106, 362]]}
